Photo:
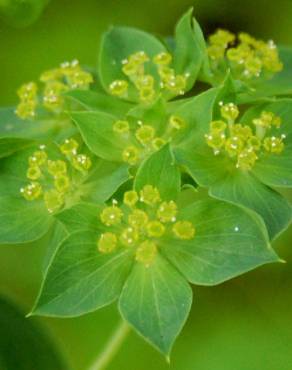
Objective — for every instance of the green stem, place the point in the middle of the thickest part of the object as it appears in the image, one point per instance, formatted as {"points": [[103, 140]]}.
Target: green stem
{"points": [[112, 347]]}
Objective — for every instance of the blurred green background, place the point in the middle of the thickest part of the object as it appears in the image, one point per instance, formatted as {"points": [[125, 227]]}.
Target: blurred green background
{"points": [[240, 325]]}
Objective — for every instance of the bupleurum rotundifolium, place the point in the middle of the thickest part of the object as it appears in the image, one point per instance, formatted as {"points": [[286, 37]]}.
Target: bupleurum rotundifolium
{"points": [[141, 139], [247, 57], [55, 181], [241, 142], [137, 70], [69, 76], [140, 223]]}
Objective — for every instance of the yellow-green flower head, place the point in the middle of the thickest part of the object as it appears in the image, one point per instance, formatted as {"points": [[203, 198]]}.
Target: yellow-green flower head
{"points": [[183, 230], [239, 141], [229, 111], [131, 155], [145, 134], [149, 195], [68, 76], [141, 223], [119, 88], [177, 122], [111, 215], [107, 242], [32, 191], [28, 101], [246, 57], [54, 200], [55, 177], [147, 86], [69, 147], [121, 127]]}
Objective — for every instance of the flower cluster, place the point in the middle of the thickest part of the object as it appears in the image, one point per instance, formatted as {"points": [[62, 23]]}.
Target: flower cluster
{"points": [[240, 141], [68, 76], [53, 180], [141, 139], [138, 68], [140, 223], [246, 56]]}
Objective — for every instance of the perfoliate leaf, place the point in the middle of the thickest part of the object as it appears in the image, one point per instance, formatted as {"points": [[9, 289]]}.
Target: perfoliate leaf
{"points": [[58, 233], [156, 301], [244, 189], [188, 53], [228, 241], [22, 221], [91, 100], [104, 179], [82, 216], [24, 345], [96, 129], [80, 279], [160, 171], [11, 145]]}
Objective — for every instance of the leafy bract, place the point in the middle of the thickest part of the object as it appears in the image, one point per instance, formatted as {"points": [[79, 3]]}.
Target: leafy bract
{"points": [[80, 279], [116, 45], [160, 171], [188, 52], [156, 302], [92, 100], [229, 241], [96, 129], [22, 221]]}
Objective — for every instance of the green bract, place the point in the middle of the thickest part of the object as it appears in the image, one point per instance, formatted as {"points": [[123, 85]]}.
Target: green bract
{"points": [[111, 165]]}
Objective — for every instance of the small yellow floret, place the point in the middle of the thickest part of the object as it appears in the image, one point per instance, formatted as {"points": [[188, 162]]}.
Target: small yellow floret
{"points": [[167, 211], [33, 173], [62, 183], [162, 58], [145, 134], [131, 198], [183, 230], [129, 236], [229, 111], [121, 127], [107, 242], [81, 162], [177, 122], [138, 219], [146, 252], [111, 215], [155, 229], [119, 88], [57, 167], [149, 195], [131, 155], [32, 191], [53, 200], [69, 147]]}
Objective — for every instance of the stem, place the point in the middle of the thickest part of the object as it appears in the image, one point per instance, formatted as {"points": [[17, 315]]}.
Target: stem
{"points": [[112, 347]]}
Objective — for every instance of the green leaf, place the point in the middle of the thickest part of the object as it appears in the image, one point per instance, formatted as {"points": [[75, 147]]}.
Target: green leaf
{"points": [[228, 242], [24, 344], [91, 100], [80, 279], [116, 45], [104, 179], [22, 221], [160, 171], [279, 84], [188, 53], [156, 302], [12, 126], [82, 216], [275, 169], [11, 145], [243, 188], [96, 129], [197, 113], [57, 235]]}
